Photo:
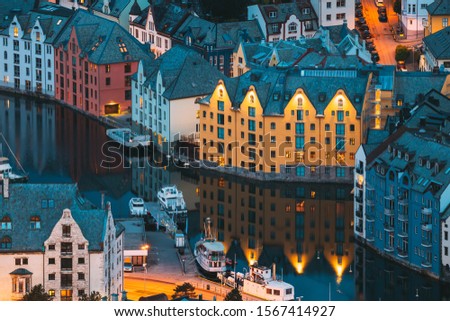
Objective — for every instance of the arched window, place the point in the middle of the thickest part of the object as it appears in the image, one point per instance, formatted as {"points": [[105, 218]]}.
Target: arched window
{"points": [[405, 180], [6, 223], [220, 92], [340, 102], [5, 243], [299, 101], [292, 27], [16, 32], [35, 223]]}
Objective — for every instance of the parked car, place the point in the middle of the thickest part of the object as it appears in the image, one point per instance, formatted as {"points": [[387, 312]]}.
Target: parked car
{"points": [[366, 34], [381, 9], [358, 5], [379, 3], [382, 17], [361, 21], [364, 27], [375, 57], [128, 267], [401, 66], [370, 46], [358, 13]]}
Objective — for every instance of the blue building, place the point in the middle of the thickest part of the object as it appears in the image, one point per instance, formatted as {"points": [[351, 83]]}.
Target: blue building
{"points": [[402, 191]]}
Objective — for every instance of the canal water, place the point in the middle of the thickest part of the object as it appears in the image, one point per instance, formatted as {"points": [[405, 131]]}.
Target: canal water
{"points": [[305, 229]]}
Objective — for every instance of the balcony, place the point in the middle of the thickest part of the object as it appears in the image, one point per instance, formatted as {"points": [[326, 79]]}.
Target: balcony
{"points": [[370, 202], [370, 218], [403, 201], [370, 238], [427, 227], [388, 212], [426, 264], [358, 213], [426, 243], [403, 217], [426, 211], [388, 228], [369, 188], [359, 170], [402, 253], [389, 197], [360, 186], [358, 199], [403, 234], [66, 253], [388, 248]]}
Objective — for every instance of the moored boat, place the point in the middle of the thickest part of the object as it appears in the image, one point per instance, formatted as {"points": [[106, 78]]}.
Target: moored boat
{"points": [[171, 200], [127, 138], [6, 170], [210, 253], [137, 207], [261, 282]]}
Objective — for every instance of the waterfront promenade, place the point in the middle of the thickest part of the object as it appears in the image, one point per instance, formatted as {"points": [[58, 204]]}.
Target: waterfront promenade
{"points": [[165, 271]]}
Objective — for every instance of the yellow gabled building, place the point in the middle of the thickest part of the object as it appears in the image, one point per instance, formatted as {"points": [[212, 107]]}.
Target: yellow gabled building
{"points": [[438, 16], [302, 124]]}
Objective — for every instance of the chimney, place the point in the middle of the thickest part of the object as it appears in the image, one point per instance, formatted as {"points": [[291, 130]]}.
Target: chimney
{"points": [[200, 297], [124, 296], [5, 186], [114, 297]]}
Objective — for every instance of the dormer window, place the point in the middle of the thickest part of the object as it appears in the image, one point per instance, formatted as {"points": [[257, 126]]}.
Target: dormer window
{"points": [[306, 10], [6, 223], [406, 157], [428, 164], [5, 243], [272, 14], [399, 154], [390, 149], [420, 162], [35, 223], [436, 168]]}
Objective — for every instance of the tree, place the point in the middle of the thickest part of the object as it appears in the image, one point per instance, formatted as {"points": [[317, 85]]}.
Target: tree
{"points": [[186, 289], [94, 296], [233, 295], [402, 53], [398, 6], [37, 293]]}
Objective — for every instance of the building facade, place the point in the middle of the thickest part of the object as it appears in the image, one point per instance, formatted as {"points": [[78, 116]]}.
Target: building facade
{"points": [[438, 16], [27, 49], [64, 243], [165, 94], [117, 10], [333, 13], [413, 15], [436, 55], [285, 21], [402, 191], [93, 66], [267, 123]]}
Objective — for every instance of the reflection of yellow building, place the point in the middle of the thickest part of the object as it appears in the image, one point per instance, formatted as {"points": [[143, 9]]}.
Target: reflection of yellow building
{"points": [[304, 222], [438, 16], [271, 122]]}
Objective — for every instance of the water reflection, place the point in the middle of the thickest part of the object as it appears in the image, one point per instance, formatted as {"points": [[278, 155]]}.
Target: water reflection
{"points": [[306, 229]]}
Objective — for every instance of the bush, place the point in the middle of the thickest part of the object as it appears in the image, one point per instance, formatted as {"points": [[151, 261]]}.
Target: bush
{"points": [[402, 53]]}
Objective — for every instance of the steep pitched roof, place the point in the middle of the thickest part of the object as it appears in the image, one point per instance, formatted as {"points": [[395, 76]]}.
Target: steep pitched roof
{"points": [[25, 201], [230, 34], [439, 43], [439, 7], [284, 10], [116, 7], [168, 17], [103, 41]]}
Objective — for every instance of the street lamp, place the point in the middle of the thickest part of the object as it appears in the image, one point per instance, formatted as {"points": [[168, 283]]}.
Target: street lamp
{"points": [[145, 275], [145, 247]]}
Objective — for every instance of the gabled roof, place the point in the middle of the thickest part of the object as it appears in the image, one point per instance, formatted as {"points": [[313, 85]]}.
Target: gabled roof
{"points": [[201, 31], [135, 9], [439, 43], [25, 201], [184, 74], [168, 17], [439, 7], [230, 34], [141, 20], [284, 10], [102, 41], [116, 7]]}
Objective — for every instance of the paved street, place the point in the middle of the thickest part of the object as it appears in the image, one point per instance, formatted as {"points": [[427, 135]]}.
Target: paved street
{"points": [[383, 38]]}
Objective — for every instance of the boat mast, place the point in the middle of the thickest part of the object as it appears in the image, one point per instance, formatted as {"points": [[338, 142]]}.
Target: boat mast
{"points": [[17, 161]]}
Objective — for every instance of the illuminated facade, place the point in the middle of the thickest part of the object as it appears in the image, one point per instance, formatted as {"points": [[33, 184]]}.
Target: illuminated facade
{"points": [[93, 69], [438, 16], [303, 126], [293, 225]]}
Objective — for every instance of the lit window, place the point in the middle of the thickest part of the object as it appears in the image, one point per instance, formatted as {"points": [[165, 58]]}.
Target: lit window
{"points": [[35, 223], [16, 32]]}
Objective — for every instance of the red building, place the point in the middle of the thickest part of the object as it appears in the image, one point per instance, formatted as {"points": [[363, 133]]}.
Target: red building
{"points": [[94, 61]]}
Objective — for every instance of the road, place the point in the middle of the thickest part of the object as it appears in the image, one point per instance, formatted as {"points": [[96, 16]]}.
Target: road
{"points": [[383, 39]]}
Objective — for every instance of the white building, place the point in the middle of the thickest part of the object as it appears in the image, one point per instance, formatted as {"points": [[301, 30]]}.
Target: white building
{"points": [[49, 235], [164, 95], [285, 21], [27, 49], [117, 10], [436, 51], [334, 12], [413, 14], [156, 24]]}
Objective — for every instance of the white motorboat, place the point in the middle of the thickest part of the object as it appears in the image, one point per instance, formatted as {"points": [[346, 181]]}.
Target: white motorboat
{"points": [[6, 170], [171, 200], [127, 138], [137, 207], [210, 253], [261, 282]]}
